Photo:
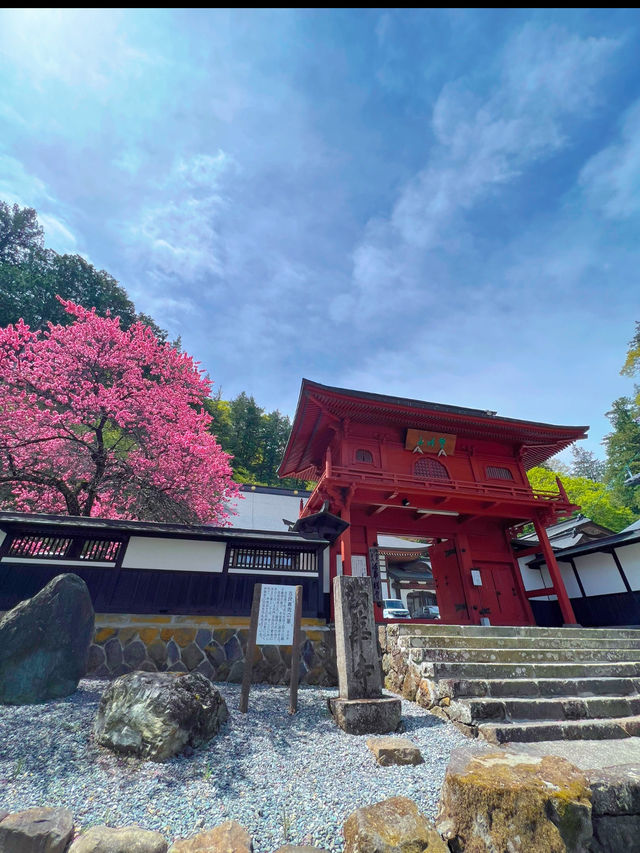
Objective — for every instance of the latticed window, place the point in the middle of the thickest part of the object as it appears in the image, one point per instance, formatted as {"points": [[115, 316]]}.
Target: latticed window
{"points": [[41, 546], [430, 469], [496, 472], [364, 456]]}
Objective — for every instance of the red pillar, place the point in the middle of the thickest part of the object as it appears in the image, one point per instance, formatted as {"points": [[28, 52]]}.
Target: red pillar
{"points": [[554, 572]]}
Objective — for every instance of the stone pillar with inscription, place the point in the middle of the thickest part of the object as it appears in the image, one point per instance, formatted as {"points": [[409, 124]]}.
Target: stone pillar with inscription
{"points": [[360, 708]]}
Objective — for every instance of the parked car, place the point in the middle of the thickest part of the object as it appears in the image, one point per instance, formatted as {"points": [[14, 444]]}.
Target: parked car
{"points": [[430, 611], [394, 608]]}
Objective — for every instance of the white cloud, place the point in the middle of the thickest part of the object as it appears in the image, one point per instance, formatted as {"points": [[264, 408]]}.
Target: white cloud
{"points": [[481, 144], [181, 236], [611, 179]]}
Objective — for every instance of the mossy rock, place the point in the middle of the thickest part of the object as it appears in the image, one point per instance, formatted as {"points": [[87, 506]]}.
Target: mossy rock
{"points": [[501, 802]]}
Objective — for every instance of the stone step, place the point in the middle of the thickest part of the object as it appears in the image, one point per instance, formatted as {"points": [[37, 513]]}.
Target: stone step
{"points": [[435, 641], [509, 631], [540, 687], [476, 711], [488, 671], [560, 730], [496, 655]]}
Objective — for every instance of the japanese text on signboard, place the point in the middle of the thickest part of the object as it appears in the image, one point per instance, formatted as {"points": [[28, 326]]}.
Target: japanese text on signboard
{"points": [[440, 443], [277, 615]]}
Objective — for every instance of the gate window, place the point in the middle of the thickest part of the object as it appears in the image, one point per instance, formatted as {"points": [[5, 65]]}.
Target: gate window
{"points": [[495, 472], [430, 469], [365, 456]]}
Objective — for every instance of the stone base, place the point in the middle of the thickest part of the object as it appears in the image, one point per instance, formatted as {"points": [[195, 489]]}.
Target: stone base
{"points": [[366, 716]]}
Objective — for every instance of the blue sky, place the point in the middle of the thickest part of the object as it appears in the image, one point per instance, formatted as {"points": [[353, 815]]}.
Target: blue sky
{"points": [[442, 205]]}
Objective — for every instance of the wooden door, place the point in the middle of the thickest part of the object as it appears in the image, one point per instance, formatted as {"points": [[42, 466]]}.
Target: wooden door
{"points": [[448, 583]]}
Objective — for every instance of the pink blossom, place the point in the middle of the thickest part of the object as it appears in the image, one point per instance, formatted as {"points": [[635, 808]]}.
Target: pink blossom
{"points": [[95, 420]]}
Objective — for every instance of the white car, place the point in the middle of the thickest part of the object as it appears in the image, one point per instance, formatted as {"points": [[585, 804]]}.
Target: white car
{"points": [[393, 608]]}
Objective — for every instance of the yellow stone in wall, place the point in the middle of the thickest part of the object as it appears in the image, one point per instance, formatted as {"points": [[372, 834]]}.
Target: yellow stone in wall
{"points": [[182, 636], [103, 634], [148, 635]]}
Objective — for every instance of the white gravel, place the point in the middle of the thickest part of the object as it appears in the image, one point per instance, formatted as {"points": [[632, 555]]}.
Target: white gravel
{"points": [[285, 778]]}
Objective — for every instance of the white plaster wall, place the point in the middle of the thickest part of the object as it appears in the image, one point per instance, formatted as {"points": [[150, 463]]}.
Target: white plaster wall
{"points": [[629, 557], [599, 574], [532, 578], [2, 536], [264, 511], [179, 554], [570, 582]]}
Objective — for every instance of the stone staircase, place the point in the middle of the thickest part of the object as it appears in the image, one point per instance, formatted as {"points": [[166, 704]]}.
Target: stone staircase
{"points": [[519, 684]]}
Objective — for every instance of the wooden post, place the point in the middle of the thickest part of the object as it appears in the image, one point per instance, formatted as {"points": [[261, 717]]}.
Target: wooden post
{"points": [[295, 654], [554, 572], [251, 649]]}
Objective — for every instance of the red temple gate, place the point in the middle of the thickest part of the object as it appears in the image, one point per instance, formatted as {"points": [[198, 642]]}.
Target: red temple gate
{"points": [[451, 476]]}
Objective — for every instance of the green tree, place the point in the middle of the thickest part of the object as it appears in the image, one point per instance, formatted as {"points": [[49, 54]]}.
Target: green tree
{"points": [[586, 464], [20, 233], [256, 439], [595, 500], [623, 452], [31, 278]]}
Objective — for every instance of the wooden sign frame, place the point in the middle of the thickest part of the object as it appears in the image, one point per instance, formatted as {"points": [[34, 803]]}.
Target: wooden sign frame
{"points": [[251, 650]]}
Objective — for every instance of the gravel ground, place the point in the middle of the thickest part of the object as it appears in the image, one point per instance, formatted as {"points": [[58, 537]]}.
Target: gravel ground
{"points": [[285, 778]]}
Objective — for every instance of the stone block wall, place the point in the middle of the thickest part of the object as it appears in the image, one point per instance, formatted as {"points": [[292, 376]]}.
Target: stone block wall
{"points": [[213, 646]]}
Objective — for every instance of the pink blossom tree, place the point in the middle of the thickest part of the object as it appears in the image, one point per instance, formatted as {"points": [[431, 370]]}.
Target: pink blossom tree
{"points": [[96, 420]]}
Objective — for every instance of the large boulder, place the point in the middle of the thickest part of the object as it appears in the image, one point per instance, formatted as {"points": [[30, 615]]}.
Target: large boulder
{"points": [[36, 831], [44, 643], [229, 837], [157, 714], [501, 802], [127, 839], [392, 826]]}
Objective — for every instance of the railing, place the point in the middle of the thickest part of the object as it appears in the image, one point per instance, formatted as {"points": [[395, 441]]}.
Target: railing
{"points": [[489, 491]]}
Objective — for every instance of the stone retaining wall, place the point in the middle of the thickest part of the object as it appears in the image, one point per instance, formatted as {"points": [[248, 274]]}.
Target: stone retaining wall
{"points": [[213, 646]]}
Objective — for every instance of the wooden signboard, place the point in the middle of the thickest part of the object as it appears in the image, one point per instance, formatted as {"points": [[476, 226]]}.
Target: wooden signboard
{"points": [[275, 621], [440, 443]]}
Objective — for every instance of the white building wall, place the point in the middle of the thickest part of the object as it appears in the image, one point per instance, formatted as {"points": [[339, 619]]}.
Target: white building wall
{"points": [[629, 557], [599, 574], [182, 555], [264, 510]]}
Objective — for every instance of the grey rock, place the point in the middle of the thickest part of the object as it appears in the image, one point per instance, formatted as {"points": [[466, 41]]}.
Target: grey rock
{"points": [[192, 656], [45, 641], [128, 839], [36, 831], [156, 715], [135, 653], [394, 750], [614, 834], [3, 814], [366, 716], [615, 790], [206, 669], [215, 653], [96, 658], [203, 637], [233, 649], [173, 652], [113, 653], [157, 652]]}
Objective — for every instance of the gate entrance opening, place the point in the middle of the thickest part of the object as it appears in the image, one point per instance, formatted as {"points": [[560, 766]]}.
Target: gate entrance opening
{"points": [[449, 477]]}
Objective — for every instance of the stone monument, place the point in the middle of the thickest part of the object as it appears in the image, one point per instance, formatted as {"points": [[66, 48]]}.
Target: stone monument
{"points": [[360, 708]]}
